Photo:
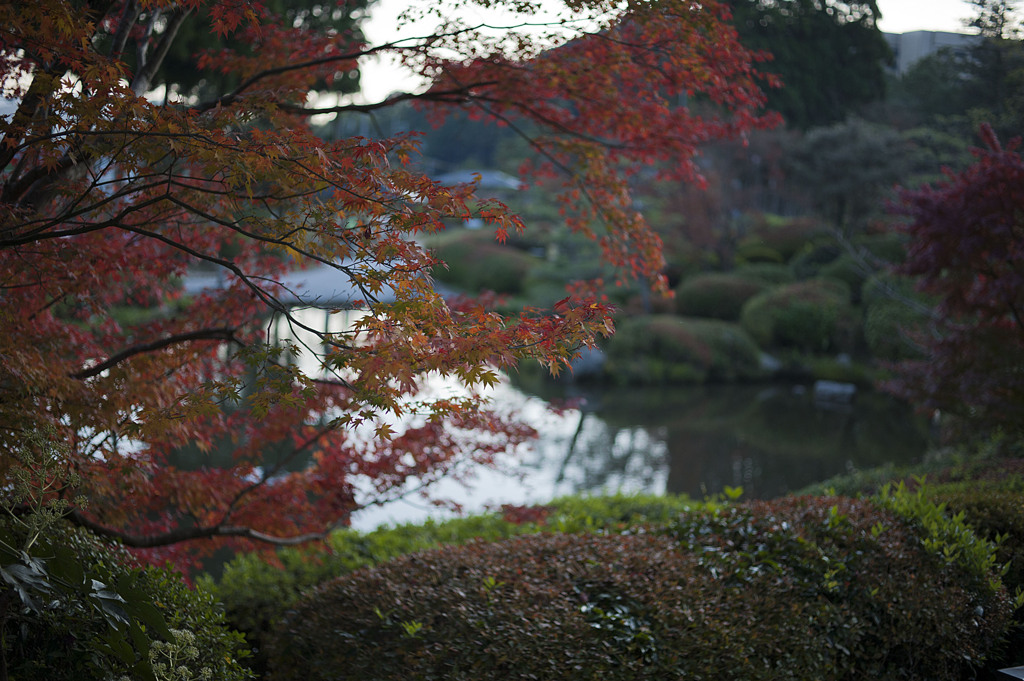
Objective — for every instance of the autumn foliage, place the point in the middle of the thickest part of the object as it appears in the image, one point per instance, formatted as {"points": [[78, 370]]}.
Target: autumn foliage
{"points": [[966, 249], [183, 420]]}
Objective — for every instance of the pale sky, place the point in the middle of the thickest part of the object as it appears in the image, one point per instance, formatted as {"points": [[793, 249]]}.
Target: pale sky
{"points": [[901, 16], [898, 16]]}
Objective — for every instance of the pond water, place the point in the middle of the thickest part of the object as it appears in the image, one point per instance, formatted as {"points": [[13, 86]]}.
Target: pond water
{"points": [[768, 439]]}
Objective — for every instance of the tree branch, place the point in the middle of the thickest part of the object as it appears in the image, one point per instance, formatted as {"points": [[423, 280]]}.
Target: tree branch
{"points": [[139, 541], [222, 334]]}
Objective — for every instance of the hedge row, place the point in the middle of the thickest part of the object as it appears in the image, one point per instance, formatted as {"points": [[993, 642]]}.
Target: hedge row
{"points": [[255, 589], [792, 589]]}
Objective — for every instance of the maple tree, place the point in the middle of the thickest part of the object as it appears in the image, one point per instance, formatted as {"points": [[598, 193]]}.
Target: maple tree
{"points": [[110, 196], [966, 248]]}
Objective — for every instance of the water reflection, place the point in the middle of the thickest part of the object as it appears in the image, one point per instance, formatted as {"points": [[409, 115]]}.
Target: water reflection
{"points": [[769, 439]]}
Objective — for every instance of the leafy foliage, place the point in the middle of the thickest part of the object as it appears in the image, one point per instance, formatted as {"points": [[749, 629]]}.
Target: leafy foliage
{"points": [[799, 589], [829, 55], [716, 295], [669, 349], [257, 590], [191, 423], [804, 315], [966, 249], [74, 608], [474, 263]]}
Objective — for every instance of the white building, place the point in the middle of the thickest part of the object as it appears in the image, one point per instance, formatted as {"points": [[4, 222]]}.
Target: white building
{"points": [[908, 48]]}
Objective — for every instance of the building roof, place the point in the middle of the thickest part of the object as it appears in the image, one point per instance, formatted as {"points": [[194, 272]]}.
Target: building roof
{"points": [[323, 286]]}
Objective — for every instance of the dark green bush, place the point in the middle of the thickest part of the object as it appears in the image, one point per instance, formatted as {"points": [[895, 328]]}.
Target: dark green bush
{"points": [[890, 328], [67, 637], [794, 589], [669, 349], [757, 252], [256, 590], [991, 505], [785, 236], [767, 272], [993, 509], [809, 261], [475, 262], [717, 295], [805, 315], [846, 269], [887, 246]]}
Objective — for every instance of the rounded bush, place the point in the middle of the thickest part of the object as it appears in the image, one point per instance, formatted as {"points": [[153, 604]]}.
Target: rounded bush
{"points": [[809, 261], [767, 272], [474, 262], [889, 330], [846, 269], [669, 349], [888, 246], [796, 589], [757, 252], [805, 315], [785, 236], [716, 295]]}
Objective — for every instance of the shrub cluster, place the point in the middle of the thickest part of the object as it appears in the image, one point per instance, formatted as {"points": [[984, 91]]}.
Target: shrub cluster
{"points": [[766, 272], [805, 315], [256, 589], [716, 295], [785, 236], [669, 349], [795, 589], [475, 262]]}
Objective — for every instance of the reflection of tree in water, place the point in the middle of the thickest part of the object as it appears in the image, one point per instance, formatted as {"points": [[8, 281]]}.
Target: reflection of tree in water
{"points": [[696, 440], [600, 456]]}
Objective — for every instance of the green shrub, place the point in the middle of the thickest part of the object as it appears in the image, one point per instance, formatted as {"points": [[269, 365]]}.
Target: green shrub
{"points": [[669, 349], [846, 269], [785, 236], [716, 295], [757, 252], [475, 262], [890, 327], [66, 636], [256, 590], [767, 272], [793, 589], [809, 261], [888, 246], [805, 315]]}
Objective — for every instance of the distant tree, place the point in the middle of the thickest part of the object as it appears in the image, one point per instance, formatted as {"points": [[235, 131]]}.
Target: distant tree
{"points": [[192, 39], [830, 56], [966, 247], [958, 89], [847, 168]]}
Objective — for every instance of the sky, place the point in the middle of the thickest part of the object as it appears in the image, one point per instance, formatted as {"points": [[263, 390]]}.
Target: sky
{"points": [[901, 16], [898, 16]]}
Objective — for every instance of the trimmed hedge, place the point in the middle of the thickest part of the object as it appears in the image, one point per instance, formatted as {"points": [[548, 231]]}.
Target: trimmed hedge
{"points": [[794, 589], [767, 272], [804, 315], [889, 330], [785, 236], [256, 589], [716, 295], [476, 262], [669, 349]]}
